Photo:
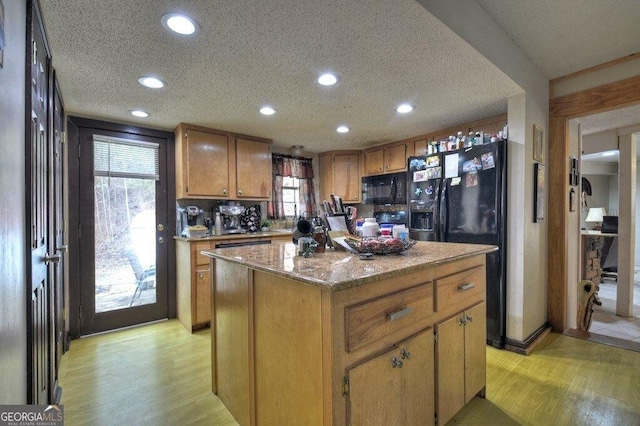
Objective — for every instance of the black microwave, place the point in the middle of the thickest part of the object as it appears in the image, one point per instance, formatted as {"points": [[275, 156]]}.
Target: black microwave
{"points": [[385, 189]]}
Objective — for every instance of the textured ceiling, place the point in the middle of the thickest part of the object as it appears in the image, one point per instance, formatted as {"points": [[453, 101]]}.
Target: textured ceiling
{"points": [[250, 53], [564, 36]]}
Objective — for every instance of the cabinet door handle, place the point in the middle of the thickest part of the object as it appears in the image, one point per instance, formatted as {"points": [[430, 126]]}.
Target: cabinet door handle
{"points": [[468, 318], [200, 275], [399, 314], [467, 286], [462, 321], [224, 191], [396, 363], [239, 191], [405, 354]]}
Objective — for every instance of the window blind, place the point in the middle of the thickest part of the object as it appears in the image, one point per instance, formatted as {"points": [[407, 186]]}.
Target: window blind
{"points": [[113, 157]]}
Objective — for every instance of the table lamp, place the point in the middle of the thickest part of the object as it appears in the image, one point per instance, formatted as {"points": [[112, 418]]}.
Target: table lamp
{"points": [[595, 216]]}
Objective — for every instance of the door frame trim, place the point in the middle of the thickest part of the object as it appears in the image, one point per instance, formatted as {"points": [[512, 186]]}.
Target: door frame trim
{"points": [[74, 125], [607, 97]]}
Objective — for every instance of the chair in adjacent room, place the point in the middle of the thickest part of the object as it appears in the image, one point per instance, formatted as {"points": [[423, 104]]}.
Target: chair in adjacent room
{"points": [[145, 278], [610, 248]]}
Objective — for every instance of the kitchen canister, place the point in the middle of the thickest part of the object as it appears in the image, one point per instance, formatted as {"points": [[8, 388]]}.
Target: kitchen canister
{"points": [[320, 237], [370, 227], [401, 232]]}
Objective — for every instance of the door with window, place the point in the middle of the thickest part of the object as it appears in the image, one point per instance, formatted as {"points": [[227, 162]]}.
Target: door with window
{"points": [[124, 229]]}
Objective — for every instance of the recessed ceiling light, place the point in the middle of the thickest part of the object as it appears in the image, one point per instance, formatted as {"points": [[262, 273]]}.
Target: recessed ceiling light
{"points": [[151, 82], [138, 113], [328, 79], [404, 108], [266, 110], [178, 23], [342, 129]]}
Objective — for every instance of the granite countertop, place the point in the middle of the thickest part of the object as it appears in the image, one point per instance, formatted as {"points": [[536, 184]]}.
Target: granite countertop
{"points": [[275, 233], [339, 270]]}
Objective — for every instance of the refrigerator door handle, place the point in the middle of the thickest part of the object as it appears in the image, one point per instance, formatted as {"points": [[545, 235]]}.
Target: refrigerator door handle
{"points": [[443, 211], [436, 213]]}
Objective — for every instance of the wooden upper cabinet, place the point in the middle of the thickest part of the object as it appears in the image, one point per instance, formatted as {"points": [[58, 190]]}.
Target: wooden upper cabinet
{"points": [[395, 158], [420, 147], [374, 162], [221, 165], [340, 175], [202, 163], [253, 168], [386, 160]]}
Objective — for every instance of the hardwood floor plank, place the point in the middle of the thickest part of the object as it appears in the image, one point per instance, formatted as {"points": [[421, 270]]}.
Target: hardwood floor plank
{"points": [[566, 381], [159, 374], [156, 374]]}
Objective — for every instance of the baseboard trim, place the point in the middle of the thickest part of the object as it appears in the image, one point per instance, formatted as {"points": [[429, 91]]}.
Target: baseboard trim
{"points": [[605, 340], [527, 346]]}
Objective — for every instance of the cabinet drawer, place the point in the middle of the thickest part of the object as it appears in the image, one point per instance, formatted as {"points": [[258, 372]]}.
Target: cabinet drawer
{"points": [[465, 286], [201, 259], [370, 320]]}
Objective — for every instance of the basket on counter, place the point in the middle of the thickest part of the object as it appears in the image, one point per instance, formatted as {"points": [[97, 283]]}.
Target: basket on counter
{"points": [[379, 245]]}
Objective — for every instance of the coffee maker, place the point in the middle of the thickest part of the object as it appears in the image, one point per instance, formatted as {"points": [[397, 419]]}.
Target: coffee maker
{"points": [[188, 216], [231, 215]]}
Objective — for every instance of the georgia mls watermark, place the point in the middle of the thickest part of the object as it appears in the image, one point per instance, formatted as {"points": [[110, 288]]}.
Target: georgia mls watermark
{"points": [[31, 415]]}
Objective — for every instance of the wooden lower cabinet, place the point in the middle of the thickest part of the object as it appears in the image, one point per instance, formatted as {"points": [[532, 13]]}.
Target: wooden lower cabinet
{"points": [[193, 278], [395, 387], [460, 360], [193, 283], [286, 352]]}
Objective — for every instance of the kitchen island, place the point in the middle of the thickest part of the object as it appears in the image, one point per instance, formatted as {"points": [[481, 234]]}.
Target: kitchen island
{"points": [[333, 339]]}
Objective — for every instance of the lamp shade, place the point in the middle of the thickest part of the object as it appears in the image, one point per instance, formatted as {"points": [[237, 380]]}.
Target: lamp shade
{"points": [[595, 214]]}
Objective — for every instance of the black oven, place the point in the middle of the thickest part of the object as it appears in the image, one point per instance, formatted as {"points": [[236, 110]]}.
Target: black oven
{"points": [[385, 189]]}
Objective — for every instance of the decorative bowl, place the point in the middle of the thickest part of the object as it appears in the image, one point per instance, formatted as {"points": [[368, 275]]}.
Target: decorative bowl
{"points": [[379, 245]]}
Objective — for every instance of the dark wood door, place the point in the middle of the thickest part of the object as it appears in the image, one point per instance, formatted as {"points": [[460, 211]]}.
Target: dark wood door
{"points": [[57, 237], [38, 213], [125, 232]]}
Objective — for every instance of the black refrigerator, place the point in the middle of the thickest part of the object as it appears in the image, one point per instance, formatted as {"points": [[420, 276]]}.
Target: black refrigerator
{"points": [[459, 196]]}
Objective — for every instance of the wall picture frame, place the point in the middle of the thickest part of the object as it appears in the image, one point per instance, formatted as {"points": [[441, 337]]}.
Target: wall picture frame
{"points": [[538, 144], [538, 192]]}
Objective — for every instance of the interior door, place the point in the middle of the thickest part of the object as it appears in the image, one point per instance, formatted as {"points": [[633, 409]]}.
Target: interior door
{"points": [[38, 213], [123, 230], [57, 238]]}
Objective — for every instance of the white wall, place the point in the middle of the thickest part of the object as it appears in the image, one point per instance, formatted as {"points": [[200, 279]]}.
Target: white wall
{"points": [[599, 142], [13, 285], [527, 241], [604, 193], [637, 250]]}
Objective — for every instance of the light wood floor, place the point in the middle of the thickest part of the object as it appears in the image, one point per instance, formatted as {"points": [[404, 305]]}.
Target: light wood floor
{"points": [[158, 374]]}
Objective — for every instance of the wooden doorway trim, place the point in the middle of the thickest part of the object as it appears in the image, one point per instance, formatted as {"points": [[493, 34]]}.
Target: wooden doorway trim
{"points": [[610, 96]]}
